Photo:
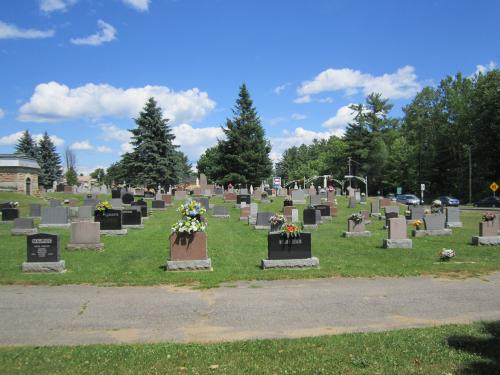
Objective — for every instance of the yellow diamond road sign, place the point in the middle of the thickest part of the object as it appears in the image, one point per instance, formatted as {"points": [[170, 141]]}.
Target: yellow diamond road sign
{"points": [[494, 186]]}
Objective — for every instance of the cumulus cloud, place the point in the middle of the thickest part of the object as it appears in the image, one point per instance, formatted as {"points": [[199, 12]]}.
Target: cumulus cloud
{"points": [[81, 146], [140, 5], [107, 33], [49, 6], [111, 132], [104, 149], [279, 89], [2, 113], [483, 69], [401, 84], [298, 137], [303, 99], [12, 139], [298, 116], [343, 116], [194, 141], [126, 147], [10, 31], [52, 102]]}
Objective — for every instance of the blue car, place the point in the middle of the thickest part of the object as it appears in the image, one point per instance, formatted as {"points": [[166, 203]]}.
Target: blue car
{"points": [[449, 201]]}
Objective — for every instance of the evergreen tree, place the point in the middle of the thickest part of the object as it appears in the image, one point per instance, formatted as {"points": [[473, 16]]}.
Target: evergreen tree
{"points": [[49, 161], [244, 154], [154, 158], [26, 145]]}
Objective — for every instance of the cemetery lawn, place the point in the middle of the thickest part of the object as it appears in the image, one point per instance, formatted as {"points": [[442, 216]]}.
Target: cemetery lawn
{"points": [[464, 349], [236, 251]]}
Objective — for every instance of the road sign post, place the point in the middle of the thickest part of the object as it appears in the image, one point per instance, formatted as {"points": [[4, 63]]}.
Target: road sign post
{"points": [[422, 189], [494, 187]]}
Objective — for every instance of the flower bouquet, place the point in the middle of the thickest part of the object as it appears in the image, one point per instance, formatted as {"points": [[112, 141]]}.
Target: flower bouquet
{"points": [[436, 206], [357, 218], [417, 224], [446, 254], [103, 206], [188, 225], [489, 216], [191, 209], [277, 219], [290, 231]]}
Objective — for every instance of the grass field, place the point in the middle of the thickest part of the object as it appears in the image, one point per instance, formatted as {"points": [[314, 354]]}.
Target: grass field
{"points": [[236, 250], [453, 349]]}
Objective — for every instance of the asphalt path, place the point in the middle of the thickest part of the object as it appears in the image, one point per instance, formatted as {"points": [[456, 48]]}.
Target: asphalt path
{"points": [[74, 314]]}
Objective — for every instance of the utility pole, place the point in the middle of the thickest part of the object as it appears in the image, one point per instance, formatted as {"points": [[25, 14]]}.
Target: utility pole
{"points": [[349, 164], [470, 176]]}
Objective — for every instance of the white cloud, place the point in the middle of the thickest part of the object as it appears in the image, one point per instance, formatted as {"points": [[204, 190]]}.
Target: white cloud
{"points": [[303, 99], [279, 89], [401, 84], [326, 100], [194, 141], [276, 120], [12, 139], [81, 146], [126, 147], [53, 102], [10, 31], [107, 33], [296, 138], [140, 5], [49, 6], [87, 170], [111, 132], [2, 113], [298, 116], [483, 69], [104, 149], [343, 116]]}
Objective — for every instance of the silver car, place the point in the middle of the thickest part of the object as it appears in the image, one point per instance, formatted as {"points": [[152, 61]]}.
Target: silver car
{"points": [[409, 199]]}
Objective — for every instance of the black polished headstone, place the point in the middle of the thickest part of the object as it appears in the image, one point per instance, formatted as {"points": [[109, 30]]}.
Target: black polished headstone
{"points": [[149, 194], [43, 247], [131, 217], [325, 210], [158, 204], [309, 216], [116, 194], [243, 198], [109, 219], [9, 214], [127, 198], [281, 247]]}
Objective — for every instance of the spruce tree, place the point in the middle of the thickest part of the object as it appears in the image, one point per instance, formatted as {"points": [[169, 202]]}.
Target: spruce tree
{"points": [[26, 145], [49, 161], [154, 158], [244, 154]]}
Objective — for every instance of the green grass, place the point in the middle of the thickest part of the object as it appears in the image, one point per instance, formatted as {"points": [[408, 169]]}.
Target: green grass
{"points": [[236, 251], [452, 349]]}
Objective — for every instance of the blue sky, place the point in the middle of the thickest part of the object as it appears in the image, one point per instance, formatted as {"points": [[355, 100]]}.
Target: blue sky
{"points": [[82, 69]]}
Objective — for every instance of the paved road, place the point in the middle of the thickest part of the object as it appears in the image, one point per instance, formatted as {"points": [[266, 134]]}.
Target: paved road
{"points": [[70, 315]]}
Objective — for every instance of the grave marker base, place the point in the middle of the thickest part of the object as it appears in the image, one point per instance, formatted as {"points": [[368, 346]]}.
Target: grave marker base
{"points": [[376, 214], [262, 227], [85, 246], [138, 226], [23, 232], [54, 225], [116, 232], [158, 209], [398, 244], [189, 265], [290, 263], [365, 233], [44, 267], [425, 232], [457, 224], [221, 216], [486, 240], [310, 226], [243, 218]]}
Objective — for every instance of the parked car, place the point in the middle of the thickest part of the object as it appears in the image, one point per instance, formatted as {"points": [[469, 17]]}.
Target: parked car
{"points": [[390, 196], [447, 200], [409, 199], [488, 202]]}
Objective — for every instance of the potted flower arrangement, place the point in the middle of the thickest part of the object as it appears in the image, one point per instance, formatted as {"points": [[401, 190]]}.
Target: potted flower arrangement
{"points": [[188, 240], [276, 221], [436, 207], [418, 224], [290, 231], [355, 223], [446, 254], [102, 207]]}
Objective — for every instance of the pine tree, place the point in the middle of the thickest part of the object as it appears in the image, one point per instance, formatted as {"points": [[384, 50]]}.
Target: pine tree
{"points": [[244, 154], [49, 161], [26, 145], [154, 158]]}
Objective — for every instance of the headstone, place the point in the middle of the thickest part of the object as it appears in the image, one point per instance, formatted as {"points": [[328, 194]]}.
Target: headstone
{"points": [[287, 211], [221, 211], [330, 196], [54, 203], [384, 202], [375, 208], [23, 227], [90, 202], [244, 191], [363, 199], [357, 195], [453, 217], [203, 180], [318, 216], [244, 212], [263, 220], [356, 229], [10, 214], [85, 235], [35, 210], [352, 202], [139, 192], [488, 233], [132, 218], [116, 194], [43, 254], [295, 215], [167, 198], [391, 209], [127, 198], [180, 195], [254, 208], [298, 197], [389, 216], [111, 221], [289, 252], [198, 191], [257, 194], [219, 191], [149, 195], [158, 205], [204, 201], [434, 221], [416, 213], [315, 200], [54, 217], [309, 217], [143, 207], [312, 190], [325, 211], [116, 203], [73, 202], [397, 235], [350, 191], [243, 198], [230, 197], [85, 213]]}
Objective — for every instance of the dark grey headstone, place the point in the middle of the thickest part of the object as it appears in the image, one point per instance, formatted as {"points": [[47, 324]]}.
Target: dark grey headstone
{"points": [[390, 209], [131, 217], [54, 203], [85, 212], [220, 211], [315, 200], [24, 223], [90, 202], [352, 202], [109, 219], [375, 207], [416, 213], [309, 216], [35, 210], [127, 198], [9, 214], [55, 215], [243, 198], [204, 202], [434, 221], [263, 219], [43, 248], [453, 215], [158, 204]]}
